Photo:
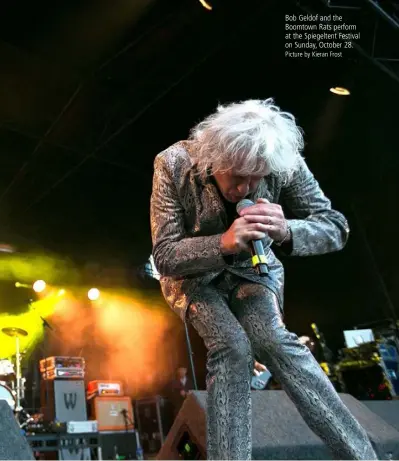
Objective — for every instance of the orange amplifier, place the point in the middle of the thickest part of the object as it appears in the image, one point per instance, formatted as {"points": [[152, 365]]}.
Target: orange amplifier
{"points": [[112, 413], [104, 388]]}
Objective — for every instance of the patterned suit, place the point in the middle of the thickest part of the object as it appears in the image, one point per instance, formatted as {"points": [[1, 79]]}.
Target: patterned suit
{"points": [[237, 312]]}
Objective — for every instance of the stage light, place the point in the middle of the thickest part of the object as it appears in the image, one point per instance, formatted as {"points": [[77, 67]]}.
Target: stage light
{"points": [[206, 5], [5, 248], [61, 292], [340, 91], [93, 294], [22, 285], [39, 286]]}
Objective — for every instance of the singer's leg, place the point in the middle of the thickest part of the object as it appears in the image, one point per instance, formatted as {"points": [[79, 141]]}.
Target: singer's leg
{"points": [[229, 364], [300, 375]]}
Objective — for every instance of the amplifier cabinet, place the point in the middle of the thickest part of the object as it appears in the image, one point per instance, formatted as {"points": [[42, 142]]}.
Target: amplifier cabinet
{"points": [[105, 388], [154, 419], [118, 445], [63, 400], [109, 413]]}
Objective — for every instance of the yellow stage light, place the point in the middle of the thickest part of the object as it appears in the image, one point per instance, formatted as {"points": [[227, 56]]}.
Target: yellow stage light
{"points": [[22, 285], [31, 321], [206, 5], [39, 286], [61, 292], [28, 321], [93, 294], [340, 91]]}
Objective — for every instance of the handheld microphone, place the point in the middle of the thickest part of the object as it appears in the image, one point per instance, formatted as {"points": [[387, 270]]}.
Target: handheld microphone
{"points": [[259, 261]]}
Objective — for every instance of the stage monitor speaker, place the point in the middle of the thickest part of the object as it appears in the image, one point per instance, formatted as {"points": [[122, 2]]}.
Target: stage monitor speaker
{"points": [[388, 410], [13, 445], [278, 430]]}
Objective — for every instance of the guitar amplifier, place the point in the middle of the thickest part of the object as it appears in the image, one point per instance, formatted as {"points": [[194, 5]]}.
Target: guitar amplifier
{"points": [[61, 367], [112, 413], [155, 417], [63, 373], [104, 388], [61, 362], [63, 400]]}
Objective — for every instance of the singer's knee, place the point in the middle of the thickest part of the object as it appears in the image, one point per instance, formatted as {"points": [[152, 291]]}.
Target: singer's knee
{"points": [[233, 351], [258, 311]]}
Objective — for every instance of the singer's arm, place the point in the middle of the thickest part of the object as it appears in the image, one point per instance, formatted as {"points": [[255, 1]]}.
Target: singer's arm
{"points": [[174, 254], [318, 228]]}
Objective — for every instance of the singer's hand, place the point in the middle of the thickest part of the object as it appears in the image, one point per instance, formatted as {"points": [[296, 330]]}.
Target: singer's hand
{"points": [[243, 230], [269, 214]]}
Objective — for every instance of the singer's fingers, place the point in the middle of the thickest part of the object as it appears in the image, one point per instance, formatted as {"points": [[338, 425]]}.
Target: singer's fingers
{"points": [[262, 200], [273, 231], [253, 224], [256, 218], [257, 226], [254, 235], [262, 209]]}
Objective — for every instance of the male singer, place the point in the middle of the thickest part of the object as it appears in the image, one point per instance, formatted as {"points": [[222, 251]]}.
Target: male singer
{"points": [[201, 248]]}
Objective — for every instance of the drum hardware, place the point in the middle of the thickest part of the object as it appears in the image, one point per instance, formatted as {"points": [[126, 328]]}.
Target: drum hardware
{"points": [[24, 419], [7, 373], [18, 383], [7, 394]]}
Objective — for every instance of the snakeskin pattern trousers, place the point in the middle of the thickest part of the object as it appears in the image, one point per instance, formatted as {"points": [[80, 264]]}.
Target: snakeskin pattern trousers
{"points": [[237, 319]]}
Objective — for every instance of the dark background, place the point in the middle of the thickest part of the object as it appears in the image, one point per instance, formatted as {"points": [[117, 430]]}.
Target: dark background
{"points": [[91, 91]]}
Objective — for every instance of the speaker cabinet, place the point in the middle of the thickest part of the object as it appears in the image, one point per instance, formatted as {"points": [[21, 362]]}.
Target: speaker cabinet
{"points": [[388, 410], [118, 445], [63, 400], [112, 413], [278, 430]]}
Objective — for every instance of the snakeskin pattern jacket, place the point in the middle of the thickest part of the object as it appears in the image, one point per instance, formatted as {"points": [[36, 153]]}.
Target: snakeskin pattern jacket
{"points": [[188, 218]]}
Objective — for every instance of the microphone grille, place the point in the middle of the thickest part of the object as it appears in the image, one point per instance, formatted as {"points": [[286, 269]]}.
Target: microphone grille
{"points": [[243, 204]]}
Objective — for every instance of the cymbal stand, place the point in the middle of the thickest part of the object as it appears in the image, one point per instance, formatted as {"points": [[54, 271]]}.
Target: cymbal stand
{"points": [[18, 375]]}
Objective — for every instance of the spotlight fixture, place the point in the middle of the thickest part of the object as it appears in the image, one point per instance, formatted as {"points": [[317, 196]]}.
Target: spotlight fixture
{"points": [[23, 285], [39, 286], [5, 248], [340, 91], [206, 5], [93, 294]]}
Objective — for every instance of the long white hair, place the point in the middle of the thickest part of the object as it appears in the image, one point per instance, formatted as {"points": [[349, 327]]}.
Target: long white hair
{"points": [[249, 137]]}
